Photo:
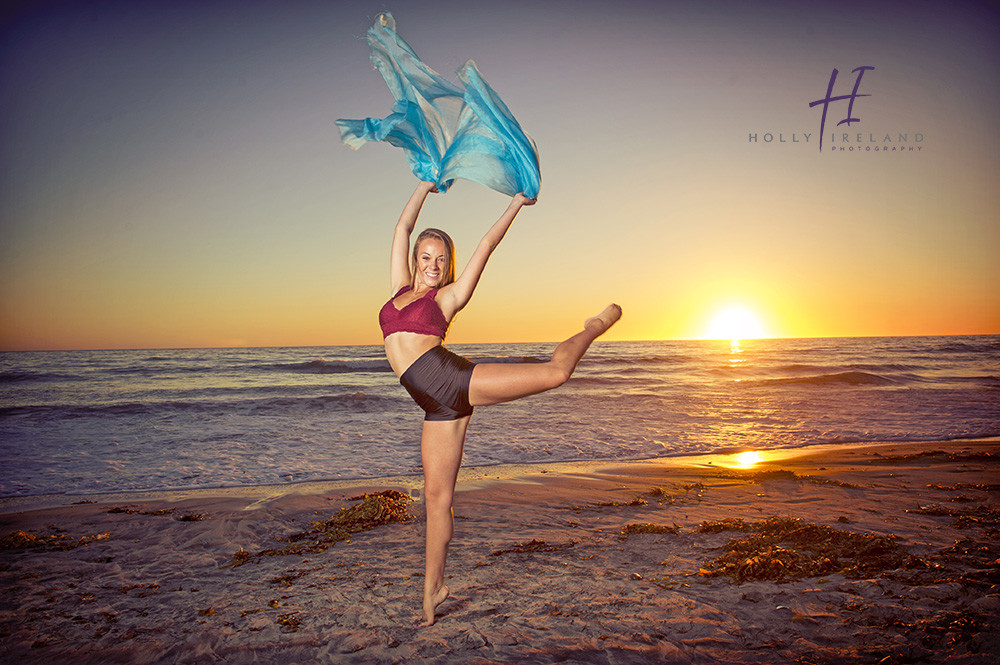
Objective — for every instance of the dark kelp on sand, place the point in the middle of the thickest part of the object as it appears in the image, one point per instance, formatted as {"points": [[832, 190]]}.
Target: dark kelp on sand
{"points": [[781, 549], [647, 527], [374, 510], [534, 546], [781, 474], [22, 540]]}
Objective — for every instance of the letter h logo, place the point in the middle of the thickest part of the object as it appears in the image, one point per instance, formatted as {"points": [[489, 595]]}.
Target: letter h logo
{"points": [[830, 98]]}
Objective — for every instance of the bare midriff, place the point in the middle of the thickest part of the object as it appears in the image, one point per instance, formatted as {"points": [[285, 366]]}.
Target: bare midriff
{"points": [[402, 348]]}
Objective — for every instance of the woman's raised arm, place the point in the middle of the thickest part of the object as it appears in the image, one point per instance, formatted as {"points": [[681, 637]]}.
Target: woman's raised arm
{"points": [[455, 296], [399, 260]]}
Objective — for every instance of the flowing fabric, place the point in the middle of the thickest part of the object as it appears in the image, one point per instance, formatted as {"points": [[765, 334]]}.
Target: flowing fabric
{"points": [[447, 131]]}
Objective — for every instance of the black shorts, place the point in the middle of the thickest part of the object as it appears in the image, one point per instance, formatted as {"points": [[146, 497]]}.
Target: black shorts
{"points": [[438, 381]]}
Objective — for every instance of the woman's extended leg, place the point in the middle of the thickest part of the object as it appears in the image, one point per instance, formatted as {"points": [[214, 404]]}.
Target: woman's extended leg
{"points": [[493, 383], [441, 445]]}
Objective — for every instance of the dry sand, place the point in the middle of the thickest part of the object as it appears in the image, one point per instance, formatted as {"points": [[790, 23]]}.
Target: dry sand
{"points": [[540, 569]]}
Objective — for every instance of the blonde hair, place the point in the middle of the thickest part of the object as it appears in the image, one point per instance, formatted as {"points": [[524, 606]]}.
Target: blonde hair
{"points": [[449, 250]]}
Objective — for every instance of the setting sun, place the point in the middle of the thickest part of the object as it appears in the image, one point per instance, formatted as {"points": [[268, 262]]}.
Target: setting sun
{"points": [[735, 322]]}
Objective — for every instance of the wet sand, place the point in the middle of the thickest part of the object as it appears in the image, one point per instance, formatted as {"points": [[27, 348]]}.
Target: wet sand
{"points": [[578, 563]]}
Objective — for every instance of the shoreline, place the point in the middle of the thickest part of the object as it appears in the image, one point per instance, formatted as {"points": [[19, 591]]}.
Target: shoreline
{"points": [[408, 483]]}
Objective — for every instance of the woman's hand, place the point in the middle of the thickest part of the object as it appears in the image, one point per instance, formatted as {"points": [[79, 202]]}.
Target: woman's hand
{"points": [[523, 200], [429, 187]]}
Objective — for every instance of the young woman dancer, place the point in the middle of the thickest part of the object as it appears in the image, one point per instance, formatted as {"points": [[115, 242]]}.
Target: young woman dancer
{"points": [[426, 296]]}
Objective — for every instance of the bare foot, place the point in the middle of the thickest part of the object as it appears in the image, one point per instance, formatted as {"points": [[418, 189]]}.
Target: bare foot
{"points": [[605, 319], [430, 605]]}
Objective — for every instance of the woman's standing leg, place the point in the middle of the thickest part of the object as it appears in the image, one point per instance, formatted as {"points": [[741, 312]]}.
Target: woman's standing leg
{"points": [[441, 445], [493, 383]]}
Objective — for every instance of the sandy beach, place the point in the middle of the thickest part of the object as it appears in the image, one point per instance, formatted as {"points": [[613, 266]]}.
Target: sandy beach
{"points": [[839, 554]]}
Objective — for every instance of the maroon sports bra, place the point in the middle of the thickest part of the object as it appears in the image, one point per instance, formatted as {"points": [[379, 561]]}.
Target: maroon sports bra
{"points": [[423, 316]]}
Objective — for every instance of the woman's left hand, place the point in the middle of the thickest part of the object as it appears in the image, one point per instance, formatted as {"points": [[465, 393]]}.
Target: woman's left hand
{"points": [[524, 200]]}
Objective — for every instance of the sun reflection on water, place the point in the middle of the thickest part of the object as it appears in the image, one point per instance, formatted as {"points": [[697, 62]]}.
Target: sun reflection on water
{"points": [[736, 358], [748, 459]]}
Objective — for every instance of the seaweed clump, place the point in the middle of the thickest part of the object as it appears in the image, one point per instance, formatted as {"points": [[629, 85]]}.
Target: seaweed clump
{"points": [[634, 502], [133, 510], [374, 510], [965, 456], [728, 524], [782, 549], [534, 545], [290, 623], [782, 474], [977, 516], [631, 529], [22, 540]]}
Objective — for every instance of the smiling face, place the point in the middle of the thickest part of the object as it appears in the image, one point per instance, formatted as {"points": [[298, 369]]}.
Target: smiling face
{"points": [[433, 259], [432, 262]]}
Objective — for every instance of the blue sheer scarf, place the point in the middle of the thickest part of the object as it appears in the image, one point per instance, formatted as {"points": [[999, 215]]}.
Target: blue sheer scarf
{"points": [[447, 131]]}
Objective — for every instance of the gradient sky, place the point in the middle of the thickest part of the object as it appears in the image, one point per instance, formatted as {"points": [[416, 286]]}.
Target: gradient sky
{"points": [[171, 175]]}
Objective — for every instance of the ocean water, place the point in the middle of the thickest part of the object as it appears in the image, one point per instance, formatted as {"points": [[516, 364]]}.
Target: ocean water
{"points": [[95, 421]]}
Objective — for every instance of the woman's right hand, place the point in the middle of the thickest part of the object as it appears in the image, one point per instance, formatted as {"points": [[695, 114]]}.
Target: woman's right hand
{"points": [[523, 200], [428, 187]]}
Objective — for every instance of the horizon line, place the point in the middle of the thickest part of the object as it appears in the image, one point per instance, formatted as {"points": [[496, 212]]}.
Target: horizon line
{"points": [[621, 341]]}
